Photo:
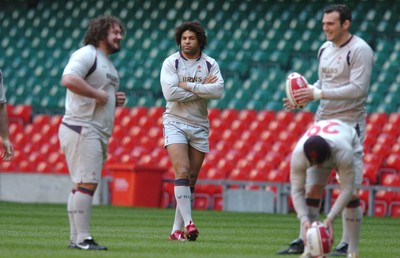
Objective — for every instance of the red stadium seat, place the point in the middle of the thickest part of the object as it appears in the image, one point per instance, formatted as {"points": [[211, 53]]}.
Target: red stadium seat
{"points": [[254, 156], [257, 176], [215, 173], [384, 196], [165, 162], [136, 132], [22, 113], [223, 147], [390, 179], [19, 156], [369, 142], [391, 129], [304, 117], [276, 176], [275, 127], [282, 148], [239, 174], [14, 129], [55, 121], [370, 173], [249, 137], [238, 126], [41, 119], [61, 167], [213, 113], [121, 112], [273, 158], [257, 126], [394, 118], [202, 201], [218, 125], [225, 166], [155, 132], [267, 137], [288, 138], [395, 148], [386, 139], [263, 166], [119, 132], [155, 112], [266, 116], [242, 146], [295, 129], [127, 122], [284, 116], [137, 112], [26, 166], [378, 118], [44, 167], [381, 150], [145, 122], [247, 116], [284, 167], [380, 209], [392, 162], [394, 210], [244, 165], [30, 130], [229, 115]]}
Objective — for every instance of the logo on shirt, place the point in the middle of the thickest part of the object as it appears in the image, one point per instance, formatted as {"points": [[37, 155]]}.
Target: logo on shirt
{"points": [[113, 79], [191, 79]]}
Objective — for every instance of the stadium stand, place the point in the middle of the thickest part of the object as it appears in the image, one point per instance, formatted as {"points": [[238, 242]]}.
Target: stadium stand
{"points": [[257, 43]]}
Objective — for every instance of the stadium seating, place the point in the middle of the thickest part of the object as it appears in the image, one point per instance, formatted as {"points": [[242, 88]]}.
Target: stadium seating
{"points": [[256, 43]]}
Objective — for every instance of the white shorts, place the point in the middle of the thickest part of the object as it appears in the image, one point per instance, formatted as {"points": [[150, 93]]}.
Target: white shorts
{"points": [[85, 153], [195, 136]]}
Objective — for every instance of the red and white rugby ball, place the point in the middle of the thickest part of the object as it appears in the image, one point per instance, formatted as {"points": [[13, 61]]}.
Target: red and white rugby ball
{"points": [[294, 82], [319, 241]]}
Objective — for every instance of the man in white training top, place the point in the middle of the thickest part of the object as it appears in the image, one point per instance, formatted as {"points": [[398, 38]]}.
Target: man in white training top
{"points": [[327, 145], [189, 79], [344, 74]]}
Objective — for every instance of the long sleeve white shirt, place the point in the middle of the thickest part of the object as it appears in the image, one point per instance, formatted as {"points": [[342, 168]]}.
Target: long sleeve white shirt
{"points": [[344, 144], [189, 106]]}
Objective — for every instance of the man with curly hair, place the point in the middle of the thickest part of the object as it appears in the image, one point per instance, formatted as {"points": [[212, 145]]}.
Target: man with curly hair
{"points": [[189, 78], [92, 85]]}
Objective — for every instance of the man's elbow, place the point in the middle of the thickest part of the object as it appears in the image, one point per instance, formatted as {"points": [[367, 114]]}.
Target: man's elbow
{"points": [[67, 81]]}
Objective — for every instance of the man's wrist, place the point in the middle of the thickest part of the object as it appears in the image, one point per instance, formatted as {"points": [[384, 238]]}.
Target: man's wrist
{"points": [[317, 94]]}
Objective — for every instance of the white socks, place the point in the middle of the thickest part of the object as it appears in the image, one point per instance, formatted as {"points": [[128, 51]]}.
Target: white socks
{"points": [[79, 213]]}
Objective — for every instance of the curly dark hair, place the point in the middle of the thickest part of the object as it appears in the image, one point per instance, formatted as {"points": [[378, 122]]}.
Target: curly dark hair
{"points": [[98, 29], [197, 28], [343, 11]]}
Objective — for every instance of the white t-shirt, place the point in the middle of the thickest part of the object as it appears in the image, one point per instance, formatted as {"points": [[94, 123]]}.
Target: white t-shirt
{"points": [[345, 147], [84, 111]]}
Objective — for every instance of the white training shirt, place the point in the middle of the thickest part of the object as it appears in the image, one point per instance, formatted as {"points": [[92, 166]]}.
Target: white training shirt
{"points": [[344, 74], [2, 91], [189, 106], [344, 144], [84, 111]]}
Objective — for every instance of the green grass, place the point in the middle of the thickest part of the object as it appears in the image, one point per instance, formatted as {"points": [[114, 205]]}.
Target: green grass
{"points": [[41, 230]]}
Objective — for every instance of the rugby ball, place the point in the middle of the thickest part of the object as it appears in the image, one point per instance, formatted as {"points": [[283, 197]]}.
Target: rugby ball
{"points": [[294, 82], [319, 241]]}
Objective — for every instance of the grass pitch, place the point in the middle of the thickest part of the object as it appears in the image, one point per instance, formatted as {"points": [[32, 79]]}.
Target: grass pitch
{"points": [[41, 230]]}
